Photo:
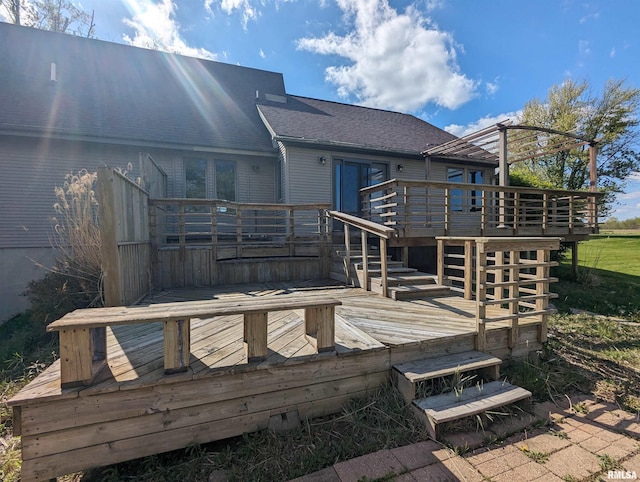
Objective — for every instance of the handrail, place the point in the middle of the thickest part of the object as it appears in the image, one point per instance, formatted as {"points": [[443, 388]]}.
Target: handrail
{"points": [[238, 230], [512, 272], [364, 224], [383, 233], [437, 208], [478, 187]]}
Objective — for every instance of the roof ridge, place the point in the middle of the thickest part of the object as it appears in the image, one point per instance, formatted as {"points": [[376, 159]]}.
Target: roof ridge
{"points": [[353, 105]]}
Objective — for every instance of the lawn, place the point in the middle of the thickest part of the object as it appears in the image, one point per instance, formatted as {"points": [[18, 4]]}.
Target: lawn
{"points": [[608, 279], [585, 353]]}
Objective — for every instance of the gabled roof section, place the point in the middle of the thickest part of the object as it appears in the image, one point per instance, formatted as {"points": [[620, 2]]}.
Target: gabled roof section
{"points": [[311, 121], [117, 93]]}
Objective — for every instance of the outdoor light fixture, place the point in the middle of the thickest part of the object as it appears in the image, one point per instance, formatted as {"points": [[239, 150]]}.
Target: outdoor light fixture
{"points": [[322, 160], [255, 168], [399, 167]]}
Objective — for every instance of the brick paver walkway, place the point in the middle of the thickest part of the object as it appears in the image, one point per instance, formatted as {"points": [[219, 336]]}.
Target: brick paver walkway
{"points": [[579, 442]]}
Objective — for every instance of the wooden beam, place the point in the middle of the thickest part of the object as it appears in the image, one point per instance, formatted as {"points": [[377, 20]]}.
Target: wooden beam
{"points": [[109, 237], [320, 327], [177, 345], [256, 335]]}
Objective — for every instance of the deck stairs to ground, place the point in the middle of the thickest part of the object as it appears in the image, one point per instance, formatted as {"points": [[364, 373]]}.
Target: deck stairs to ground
{"points": [[487, 392], [403, 283]]}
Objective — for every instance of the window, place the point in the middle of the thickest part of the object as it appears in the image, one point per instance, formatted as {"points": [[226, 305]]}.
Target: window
{"points": [[195, 174], [226, 180], [464, 199], [198, 175], [456, 200]]}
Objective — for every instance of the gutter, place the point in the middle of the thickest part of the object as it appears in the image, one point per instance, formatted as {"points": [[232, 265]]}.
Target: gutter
{"points": [[35, 133]]}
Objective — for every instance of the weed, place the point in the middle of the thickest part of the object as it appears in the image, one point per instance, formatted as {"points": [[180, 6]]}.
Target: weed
{"points": [[536, 456], [580, 408], [570, 478], [608, 463]]}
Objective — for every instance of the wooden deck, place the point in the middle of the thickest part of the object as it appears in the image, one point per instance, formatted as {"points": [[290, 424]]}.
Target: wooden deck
{"points": [[120, 416]]}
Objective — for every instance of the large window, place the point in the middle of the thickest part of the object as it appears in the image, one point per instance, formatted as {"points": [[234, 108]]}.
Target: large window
{"points": [[463, 199], [195, 176], [226, 180], [206, 179]]}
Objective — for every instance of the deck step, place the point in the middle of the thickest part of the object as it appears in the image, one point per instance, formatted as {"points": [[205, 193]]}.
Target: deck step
{"points": [[375, 264], [413, 291], [406, 375], [393, 270], [409, 278], [472, 401]]}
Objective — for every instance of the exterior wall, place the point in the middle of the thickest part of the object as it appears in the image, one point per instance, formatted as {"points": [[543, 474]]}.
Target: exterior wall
{"points": [[18, 266], [30, 169], [309, 181], [255, 175]]}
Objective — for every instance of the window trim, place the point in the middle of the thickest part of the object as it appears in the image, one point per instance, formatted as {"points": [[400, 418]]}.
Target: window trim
{"points": [[210, 176]]}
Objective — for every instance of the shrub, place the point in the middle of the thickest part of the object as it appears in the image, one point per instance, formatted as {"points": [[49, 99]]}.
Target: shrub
{"points": [[75, 280]]}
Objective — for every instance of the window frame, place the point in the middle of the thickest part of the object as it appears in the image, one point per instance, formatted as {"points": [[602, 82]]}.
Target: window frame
{"points": [[471, 200], [211, 177]]}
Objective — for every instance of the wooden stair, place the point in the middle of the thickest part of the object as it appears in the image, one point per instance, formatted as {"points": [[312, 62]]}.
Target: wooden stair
{"points": [[450, 406], [403, 283]]}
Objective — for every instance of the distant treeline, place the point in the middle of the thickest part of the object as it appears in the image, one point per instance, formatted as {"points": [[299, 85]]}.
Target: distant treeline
{"points": [[614, 223]]}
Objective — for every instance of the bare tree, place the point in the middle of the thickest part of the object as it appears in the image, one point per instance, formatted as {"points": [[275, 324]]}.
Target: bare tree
{"points": [[62, 16]]}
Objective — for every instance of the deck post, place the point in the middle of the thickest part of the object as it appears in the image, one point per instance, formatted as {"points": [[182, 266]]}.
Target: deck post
{"points": [[481, 295], [347, 254], [440, 261], [82, 355], [498, 291], [319, 325], [503, 176], [514, 293], [468, 269], [574, 259], [177, 345], [542, 288], [255, 335], [383, 266], [109, 237], [365, 261]]}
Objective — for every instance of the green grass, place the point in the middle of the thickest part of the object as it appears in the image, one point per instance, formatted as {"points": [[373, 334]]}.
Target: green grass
{"points": [[608, 279]]}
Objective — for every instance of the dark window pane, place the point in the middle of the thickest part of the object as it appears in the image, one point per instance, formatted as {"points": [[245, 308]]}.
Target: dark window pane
{"points": [[226, 180], [195, 172], [455, 195]]}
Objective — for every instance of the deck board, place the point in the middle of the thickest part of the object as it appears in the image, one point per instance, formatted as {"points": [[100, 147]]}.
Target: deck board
{"points": [[364, 322]]}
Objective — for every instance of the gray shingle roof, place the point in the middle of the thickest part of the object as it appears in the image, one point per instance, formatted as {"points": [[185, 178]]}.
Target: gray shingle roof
{"points": [[111, 91], [312, 120]]}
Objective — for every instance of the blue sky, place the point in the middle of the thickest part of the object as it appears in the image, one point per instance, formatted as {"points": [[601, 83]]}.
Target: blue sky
{"points": [[458, 64]]}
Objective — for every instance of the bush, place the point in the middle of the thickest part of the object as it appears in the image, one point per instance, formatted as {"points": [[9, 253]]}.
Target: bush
{"points": [[75, 280]]}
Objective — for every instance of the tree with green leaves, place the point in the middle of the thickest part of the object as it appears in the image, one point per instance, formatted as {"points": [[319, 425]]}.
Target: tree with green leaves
{"points": [[610, 118], [62, 16]]}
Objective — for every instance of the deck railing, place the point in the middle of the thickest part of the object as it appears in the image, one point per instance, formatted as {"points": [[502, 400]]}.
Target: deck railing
{"points": [[239, 230], [433, 208], [508, 273], [124, 234], [383, 233]]}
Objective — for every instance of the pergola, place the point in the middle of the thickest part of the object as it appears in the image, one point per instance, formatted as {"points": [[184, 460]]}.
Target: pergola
{"points": [[508, 143]]}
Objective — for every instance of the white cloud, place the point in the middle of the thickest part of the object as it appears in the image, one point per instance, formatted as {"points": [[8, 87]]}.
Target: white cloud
{"points": [[584, 47], [463, 130], [590, 16], [393, 60], [245, 7], [492, 87], [155, 27], [262, 54], [612, 52], [634, 176]]}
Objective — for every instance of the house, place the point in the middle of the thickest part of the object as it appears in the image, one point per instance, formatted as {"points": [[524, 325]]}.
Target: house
{"points": [[216, 130], [247, 200]]}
